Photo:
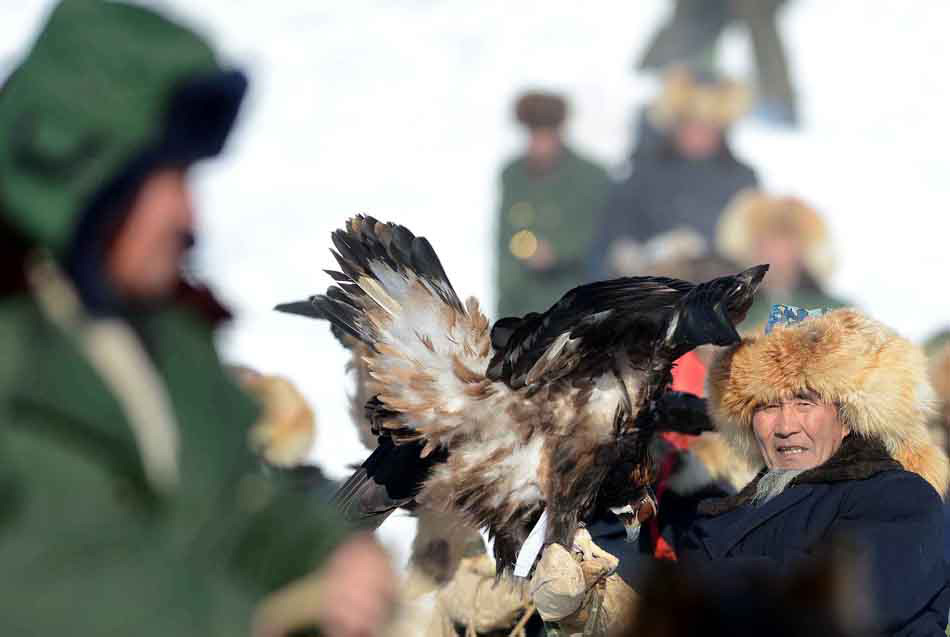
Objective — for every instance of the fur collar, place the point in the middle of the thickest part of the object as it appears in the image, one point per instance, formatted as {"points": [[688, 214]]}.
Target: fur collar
{"points": [[857, 458]]}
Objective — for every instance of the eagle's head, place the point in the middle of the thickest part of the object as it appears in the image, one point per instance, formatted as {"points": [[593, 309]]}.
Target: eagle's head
{"points": [[740, 292], [710, 312]]}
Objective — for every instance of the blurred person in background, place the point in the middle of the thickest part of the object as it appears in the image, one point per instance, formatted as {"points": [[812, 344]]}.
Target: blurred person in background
{"points": [[132, 503], [681, 179], [549, 198], [789, 235], [938, 352], [691, 37]]}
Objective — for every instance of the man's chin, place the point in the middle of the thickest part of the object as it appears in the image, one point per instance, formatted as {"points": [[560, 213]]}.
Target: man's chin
{"points": [[804, 460]]}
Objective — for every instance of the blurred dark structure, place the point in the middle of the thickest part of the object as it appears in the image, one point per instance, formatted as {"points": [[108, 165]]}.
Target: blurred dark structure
{"points": [[684, 173], [822, 597], [793, 238], [545, 224], [691, 35]]}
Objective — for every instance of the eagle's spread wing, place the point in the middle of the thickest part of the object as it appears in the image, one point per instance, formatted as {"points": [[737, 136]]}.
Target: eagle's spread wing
{"points": [[427, 351], [590, 318]]}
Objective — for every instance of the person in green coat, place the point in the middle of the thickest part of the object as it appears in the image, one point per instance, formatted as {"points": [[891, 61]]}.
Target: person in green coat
{"points": [[130, 502], [550, 199], [793, 238]]}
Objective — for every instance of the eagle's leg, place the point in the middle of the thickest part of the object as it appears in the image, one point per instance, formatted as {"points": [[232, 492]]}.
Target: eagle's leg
{"points": [[562, 525], [506, 553], [579, 472]]}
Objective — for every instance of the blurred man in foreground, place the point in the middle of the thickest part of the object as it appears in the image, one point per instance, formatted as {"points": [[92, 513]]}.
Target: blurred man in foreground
{"points": [[131, 503], [549, 200]]}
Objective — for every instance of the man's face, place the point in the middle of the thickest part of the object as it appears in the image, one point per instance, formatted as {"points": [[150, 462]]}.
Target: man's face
{"points": [[144, 259], [695, 139], [783, 252], [800, 433], [544, 145]]}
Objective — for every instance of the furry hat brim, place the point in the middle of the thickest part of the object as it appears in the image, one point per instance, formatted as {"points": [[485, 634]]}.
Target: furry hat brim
{"points": [[752, 215], [878, 379], [684, 97]]}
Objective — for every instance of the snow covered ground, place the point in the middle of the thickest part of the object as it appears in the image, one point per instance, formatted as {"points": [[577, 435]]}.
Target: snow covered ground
{"points": [[402, 110]]}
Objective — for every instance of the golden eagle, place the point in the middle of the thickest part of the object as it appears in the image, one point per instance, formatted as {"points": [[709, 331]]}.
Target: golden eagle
{"points": [[527, 417]]}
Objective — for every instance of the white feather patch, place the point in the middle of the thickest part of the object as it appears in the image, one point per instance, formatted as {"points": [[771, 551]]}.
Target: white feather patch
{"points": [[532, 546]]}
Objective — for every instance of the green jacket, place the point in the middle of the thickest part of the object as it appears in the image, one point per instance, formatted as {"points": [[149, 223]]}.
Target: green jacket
{"points": [[561, 207], [129, 500]]}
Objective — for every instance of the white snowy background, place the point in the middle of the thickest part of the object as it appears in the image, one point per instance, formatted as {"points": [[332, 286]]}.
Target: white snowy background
{"points": [[402, 110]]}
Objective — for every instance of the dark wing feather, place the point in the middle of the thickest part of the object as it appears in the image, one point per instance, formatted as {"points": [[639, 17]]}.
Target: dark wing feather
{"points": [[319, 310], [390, 478], [593, 316], [365, 239]]}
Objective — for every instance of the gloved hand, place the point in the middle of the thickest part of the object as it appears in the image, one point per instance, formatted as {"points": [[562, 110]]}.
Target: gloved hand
{"points": [[579, 591]]}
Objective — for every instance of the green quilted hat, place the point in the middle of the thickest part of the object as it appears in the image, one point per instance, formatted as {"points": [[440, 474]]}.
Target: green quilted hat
{"points": [[107, 92]]}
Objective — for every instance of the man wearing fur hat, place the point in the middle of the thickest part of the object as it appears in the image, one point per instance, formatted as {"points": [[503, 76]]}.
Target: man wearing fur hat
{"points": [[549, 198], [789, 235], [684, 172], [835, 406]]}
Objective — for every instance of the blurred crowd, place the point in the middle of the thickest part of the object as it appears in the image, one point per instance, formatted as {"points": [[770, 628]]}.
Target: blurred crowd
{"points": [[148, 488]]}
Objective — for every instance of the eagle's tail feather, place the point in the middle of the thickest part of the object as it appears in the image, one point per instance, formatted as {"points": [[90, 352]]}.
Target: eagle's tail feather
{"points": [[353, 500], [390, 478]]}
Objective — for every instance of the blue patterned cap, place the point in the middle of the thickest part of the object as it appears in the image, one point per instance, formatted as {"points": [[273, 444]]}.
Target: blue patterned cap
{"points": [[786, 315]]}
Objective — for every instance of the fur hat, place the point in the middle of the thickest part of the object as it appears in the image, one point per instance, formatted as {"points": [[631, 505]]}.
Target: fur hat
{"points": [[705, 97], [878, 379], [940, 377], [753, 214], [537, 109]]}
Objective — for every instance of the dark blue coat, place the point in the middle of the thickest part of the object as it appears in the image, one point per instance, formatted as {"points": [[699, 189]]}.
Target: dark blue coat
{"points": [[892, 517], [664, 192]]}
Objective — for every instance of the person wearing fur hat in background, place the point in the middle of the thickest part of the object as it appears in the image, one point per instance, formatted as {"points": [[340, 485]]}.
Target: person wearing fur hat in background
{"points": [[835, 407], [789, 235], [546, 220], [682, 176], [938, 352]]}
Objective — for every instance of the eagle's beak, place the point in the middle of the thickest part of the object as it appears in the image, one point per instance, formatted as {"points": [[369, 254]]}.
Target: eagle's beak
{"points": [[633, 515]]}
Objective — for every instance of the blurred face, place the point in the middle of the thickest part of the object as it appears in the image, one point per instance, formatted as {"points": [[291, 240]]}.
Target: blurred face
{"points": [[543, 145], [697, 140], [801, 433], [784, 254], [144, 259]]}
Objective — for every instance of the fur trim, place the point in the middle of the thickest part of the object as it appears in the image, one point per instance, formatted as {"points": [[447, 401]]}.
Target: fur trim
{"points": [[286, 429], [940, 377], [685, 97], [940, 373], [721, 460], [752, 215], [877, 377], [856, 459]]}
